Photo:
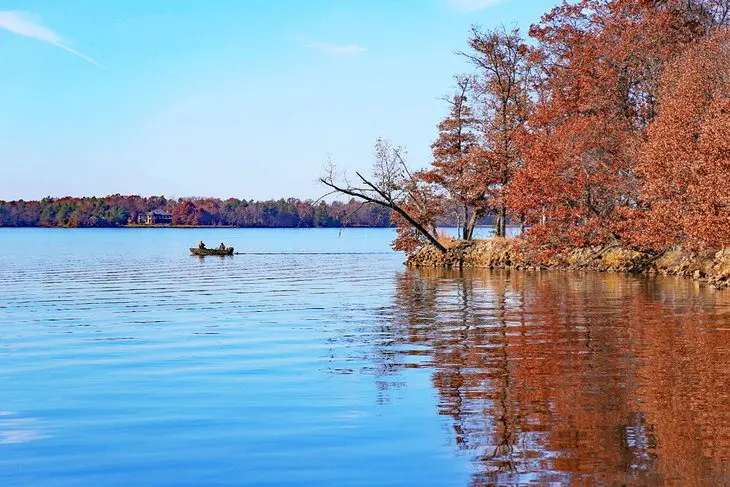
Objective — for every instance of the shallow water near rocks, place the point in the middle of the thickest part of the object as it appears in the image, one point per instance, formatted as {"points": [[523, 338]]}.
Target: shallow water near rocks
{"points": [[316, 358]]}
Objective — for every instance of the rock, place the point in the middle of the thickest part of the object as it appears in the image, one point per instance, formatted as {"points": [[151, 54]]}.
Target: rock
{"points": [[501, 253]]}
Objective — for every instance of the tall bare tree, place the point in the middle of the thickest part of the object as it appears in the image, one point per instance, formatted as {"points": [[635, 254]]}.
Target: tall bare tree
{"points": [[393, 185]]}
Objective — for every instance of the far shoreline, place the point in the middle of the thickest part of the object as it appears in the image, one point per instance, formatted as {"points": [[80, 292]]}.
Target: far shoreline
{"points": [[192, 227], [196, 227]]}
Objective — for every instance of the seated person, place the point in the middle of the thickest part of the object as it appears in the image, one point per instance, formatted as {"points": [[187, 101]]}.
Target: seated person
{"points": [[201, 245], [222, 246]]}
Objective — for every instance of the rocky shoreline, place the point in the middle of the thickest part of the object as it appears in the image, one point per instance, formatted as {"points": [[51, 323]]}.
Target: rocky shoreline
{"points": [[499, 253]]}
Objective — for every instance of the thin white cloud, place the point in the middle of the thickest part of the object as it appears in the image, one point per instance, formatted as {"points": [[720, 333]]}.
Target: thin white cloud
{"points": [[28, 25], [473, 5], [339, 49], [333, 49]]}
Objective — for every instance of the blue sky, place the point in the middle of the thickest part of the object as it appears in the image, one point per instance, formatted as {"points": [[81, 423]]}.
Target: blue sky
{"points": [[223, 97]]}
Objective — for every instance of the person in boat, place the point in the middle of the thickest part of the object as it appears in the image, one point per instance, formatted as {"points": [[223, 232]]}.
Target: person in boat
{"points": [[222, 246], [201, 245]]}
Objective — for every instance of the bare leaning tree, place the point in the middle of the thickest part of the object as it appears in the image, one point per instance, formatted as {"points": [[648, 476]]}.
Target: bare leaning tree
{"points": [[392, 185]]}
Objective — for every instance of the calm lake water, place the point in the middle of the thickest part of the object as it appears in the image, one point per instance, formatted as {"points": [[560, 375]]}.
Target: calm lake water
{"points": [[318, 359]]}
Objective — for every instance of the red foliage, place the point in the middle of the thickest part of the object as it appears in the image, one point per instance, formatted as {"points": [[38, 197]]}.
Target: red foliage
{"points": [[602, 61], [476, 152], [455, 169], [184, 213], [503, 67], [685, 163]]}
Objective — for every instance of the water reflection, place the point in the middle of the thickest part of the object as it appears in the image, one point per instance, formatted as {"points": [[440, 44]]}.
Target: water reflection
{"points": [[17, 429], [556, 377]]}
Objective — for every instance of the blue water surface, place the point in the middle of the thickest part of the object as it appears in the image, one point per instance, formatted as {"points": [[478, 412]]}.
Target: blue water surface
{"points": [[316, 358], [126, 361]]}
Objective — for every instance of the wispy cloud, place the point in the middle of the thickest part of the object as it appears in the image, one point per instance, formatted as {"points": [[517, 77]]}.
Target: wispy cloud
{"points": [[28, 25], [333, 49], [473, 5]]}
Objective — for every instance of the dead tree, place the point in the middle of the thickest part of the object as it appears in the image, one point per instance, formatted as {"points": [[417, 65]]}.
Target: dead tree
{"points": [[392, 186]]}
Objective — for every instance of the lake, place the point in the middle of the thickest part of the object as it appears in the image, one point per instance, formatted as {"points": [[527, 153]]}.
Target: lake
{"points": [[316, 358]]}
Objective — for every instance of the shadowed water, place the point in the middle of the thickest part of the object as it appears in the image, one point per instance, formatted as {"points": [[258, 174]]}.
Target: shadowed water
{"points": [[318, 359]]}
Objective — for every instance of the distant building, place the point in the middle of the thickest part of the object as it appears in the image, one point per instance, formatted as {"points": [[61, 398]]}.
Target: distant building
{"points": [[156, 217]]}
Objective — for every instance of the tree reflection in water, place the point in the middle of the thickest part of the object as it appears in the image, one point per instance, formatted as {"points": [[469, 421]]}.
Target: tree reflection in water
{"points": [[572, 378]]}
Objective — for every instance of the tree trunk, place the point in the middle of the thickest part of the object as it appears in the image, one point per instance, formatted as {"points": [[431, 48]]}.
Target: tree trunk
{"points": [[469, 235], [431, 236], [465, 233], [504, 220], [501, 221]]}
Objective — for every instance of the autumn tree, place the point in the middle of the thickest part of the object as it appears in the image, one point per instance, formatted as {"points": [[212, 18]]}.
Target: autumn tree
{"points": [[502, 102], [184, 213], [458, 175], [601, 65], [685, 164]]}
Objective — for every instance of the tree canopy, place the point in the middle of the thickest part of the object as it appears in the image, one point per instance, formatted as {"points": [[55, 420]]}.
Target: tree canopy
{"points": [[611, 127]]}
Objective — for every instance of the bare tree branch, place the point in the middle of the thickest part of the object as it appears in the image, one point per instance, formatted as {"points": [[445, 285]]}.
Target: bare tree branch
{"points": [[393, 188]]}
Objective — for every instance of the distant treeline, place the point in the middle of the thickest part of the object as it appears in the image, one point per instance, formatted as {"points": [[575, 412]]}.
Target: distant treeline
{"points": [[118, 210]]}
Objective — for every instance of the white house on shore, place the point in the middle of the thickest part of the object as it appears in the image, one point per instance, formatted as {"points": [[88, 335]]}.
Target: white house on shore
{"points": [[155, 217]]}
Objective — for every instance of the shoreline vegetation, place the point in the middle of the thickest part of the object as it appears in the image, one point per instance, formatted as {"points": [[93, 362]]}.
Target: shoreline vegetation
{"points": [[605, 136], [130, 211], [513, 254]]}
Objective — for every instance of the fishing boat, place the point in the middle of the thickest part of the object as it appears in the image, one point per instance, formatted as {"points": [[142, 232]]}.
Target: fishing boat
{"points": [[202, 252]]}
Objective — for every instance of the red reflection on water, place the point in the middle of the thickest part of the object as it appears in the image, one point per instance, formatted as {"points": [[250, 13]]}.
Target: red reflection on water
{"points": [[576, 378]]}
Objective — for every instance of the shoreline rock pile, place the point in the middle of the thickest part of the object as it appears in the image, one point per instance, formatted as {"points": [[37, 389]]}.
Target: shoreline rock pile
{"points": [[501, 253]]}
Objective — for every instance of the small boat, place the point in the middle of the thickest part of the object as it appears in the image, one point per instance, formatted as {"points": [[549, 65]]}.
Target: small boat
{"points": [[202, 252]]}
